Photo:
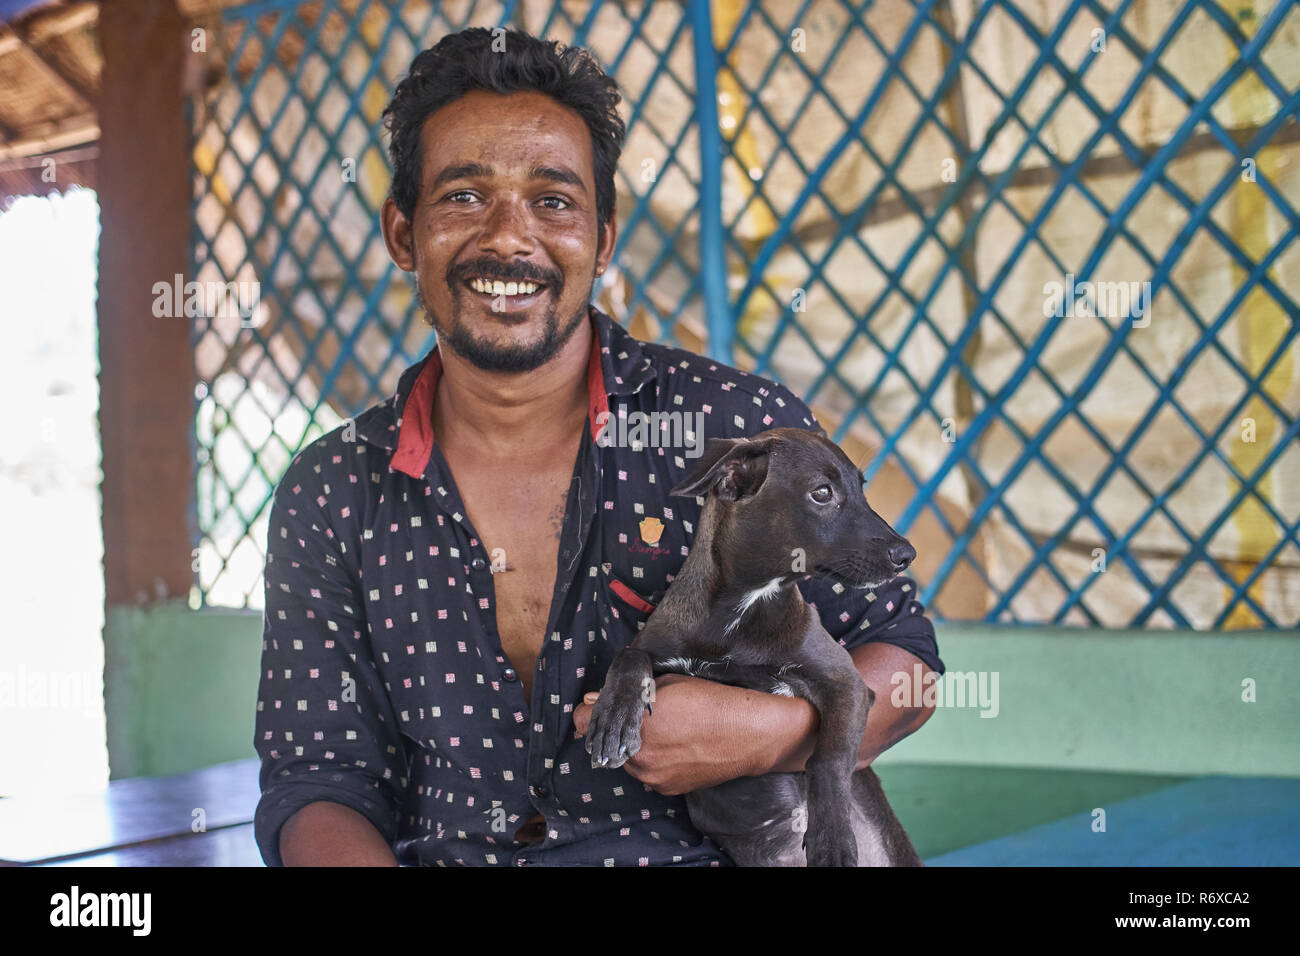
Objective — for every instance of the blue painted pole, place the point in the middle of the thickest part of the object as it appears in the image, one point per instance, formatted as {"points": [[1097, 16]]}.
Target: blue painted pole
{"points": [[713, 267]]}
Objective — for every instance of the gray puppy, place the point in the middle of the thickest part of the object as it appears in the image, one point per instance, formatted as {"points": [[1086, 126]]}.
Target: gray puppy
{"points": [[735, 615]]}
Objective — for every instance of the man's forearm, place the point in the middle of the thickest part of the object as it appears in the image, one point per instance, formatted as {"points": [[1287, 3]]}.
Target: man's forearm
{"points": [[703, 733], [887, 724], [330, 834]]}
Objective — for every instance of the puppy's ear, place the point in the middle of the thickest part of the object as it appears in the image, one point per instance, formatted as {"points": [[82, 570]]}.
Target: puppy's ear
{"points": [[705, 472], [733, 467]]}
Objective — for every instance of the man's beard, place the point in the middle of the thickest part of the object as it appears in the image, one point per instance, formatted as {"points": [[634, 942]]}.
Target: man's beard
{"points": [[492, 357]]}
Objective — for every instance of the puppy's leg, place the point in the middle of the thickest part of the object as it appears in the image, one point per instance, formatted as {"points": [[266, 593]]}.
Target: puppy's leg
{"points": [[832, 685], [842, 700], [614, 733]]}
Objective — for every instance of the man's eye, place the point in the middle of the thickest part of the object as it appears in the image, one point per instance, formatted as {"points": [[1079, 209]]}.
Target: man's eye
{"points": [[562, 203], [460, 192], [822, 494]]}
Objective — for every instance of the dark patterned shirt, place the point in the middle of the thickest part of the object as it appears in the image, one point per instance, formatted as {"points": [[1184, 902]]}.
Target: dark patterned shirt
{"points": [[384, 685]]}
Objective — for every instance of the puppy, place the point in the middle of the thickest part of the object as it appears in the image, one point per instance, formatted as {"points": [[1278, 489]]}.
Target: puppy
{"points": [[781, 505]]}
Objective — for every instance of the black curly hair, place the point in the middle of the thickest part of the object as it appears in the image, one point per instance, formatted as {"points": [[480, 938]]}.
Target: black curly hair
{"points": [[465, 61]]}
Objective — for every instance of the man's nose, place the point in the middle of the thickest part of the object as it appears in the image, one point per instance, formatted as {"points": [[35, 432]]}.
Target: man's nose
{"points": [[901, 555], [506, 231]]}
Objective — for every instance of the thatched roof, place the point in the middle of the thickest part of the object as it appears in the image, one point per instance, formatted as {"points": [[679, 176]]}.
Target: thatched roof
{"points": [[49, 78], [50, 66]]}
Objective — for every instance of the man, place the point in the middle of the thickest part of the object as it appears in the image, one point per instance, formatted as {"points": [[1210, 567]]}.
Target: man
{"points": [[445, 591]]}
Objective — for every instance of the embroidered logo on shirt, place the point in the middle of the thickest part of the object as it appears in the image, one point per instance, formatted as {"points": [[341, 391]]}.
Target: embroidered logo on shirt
{"points": [[651, 530]]}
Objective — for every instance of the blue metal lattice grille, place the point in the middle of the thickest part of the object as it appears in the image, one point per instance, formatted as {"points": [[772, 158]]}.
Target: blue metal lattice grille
{"points": [[861, 199]]}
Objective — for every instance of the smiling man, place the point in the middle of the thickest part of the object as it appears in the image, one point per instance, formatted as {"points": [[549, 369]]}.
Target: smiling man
{"points": [[445, 592]]}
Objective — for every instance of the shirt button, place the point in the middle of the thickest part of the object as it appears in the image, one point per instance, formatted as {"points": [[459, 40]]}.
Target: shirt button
{"points": [[478, 564], [510, 674], [543, 791]]}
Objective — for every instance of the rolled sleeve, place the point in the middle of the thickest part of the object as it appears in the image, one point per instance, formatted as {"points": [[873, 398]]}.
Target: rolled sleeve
{"points": [[324, 728], [889, 614]]}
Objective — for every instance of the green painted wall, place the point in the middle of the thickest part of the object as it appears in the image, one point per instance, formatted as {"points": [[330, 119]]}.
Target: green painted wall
{"points": [[181, 692], [1140, 701], [180, 687]]}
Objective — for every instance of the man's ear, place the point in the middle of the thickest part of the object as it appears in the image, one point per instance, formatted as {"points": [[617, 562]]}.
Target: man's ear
{"points": [[733, 467], [396, 229], [605, 251]]}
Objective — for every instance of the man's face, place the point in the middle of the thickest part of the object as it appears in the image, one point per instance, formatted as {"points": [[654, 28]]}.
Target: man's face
{"points": [[507, 195]]}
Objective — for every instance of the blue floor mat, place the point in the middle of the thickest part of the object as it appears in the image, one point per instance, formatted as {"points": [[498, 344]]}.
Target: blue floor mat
{"points": [[1212, 821]]}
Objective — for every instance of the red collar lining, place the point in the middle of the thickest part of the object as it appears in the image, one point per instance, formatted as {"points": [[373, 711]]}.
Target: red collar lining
{"points": [[415, 433]]}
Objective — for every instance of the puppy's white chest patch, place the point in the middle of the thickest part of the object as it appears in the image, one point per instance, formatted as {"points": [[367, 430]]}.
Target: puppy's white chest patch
{"points": [[751, 598]]}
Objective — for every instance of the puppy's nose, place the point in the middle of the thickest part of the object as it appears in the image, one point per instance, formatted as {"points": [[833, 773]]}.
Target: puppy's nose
{"points": [[901, 555]]}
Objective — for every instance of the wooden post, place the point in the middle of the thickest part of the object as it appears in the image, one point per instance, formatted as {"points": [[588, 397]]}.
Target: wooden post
{"points": [[147, 374]]}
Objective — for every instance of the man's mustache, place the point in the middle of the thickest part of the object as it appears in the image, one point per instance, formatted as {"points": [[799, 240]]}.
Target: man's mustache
{"points": [[498, 271]]}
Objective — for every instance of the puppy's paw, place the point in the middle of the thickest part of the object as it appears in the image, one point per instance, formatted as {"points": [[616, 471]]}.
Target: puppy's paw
{"points": [[614, 734], [830, 847], [830, 840]]}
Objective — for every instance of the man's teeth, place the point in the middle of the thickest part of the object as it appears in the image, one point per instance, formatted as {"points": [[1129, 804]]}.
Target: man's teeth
{"points": [[503, 288]]}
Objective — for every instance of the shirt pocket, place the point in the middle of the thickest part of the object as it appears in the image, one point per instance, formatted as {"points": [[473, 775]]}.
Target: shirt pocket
{"points": [[628, 604]]}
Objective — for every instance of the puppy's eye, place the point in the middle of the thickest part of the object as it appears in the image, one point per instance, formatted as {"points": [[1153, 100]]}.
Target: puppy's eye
{"points": [[822, 495]]}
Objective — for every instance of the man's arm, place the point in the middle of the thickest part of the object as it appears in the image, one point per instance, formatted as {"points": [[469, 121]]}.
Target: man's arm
{"points": [[702, 733], [333, 763], [887, 634], [887, 722], [330, 834]]}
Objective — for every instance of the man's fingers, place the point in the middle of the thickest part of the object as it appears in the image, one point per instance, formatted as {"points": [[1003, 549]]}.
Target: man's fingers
{"points": [[582, 713], [581, 718]]}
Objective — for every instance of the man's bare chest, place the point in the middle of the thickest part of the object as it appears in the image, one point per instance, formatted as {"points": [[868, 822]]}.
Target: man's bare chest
{"points": [[520, 528]]}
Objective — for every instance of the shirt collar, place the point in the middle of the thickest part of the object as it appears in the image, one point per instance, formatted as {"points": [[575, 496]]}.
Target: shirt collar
{"points": [[618, 365]]}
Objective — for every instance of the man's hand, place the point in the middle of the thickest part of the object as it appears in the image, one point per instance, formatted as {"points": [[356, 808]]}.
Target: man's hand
{"points": [[701, 733]]}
